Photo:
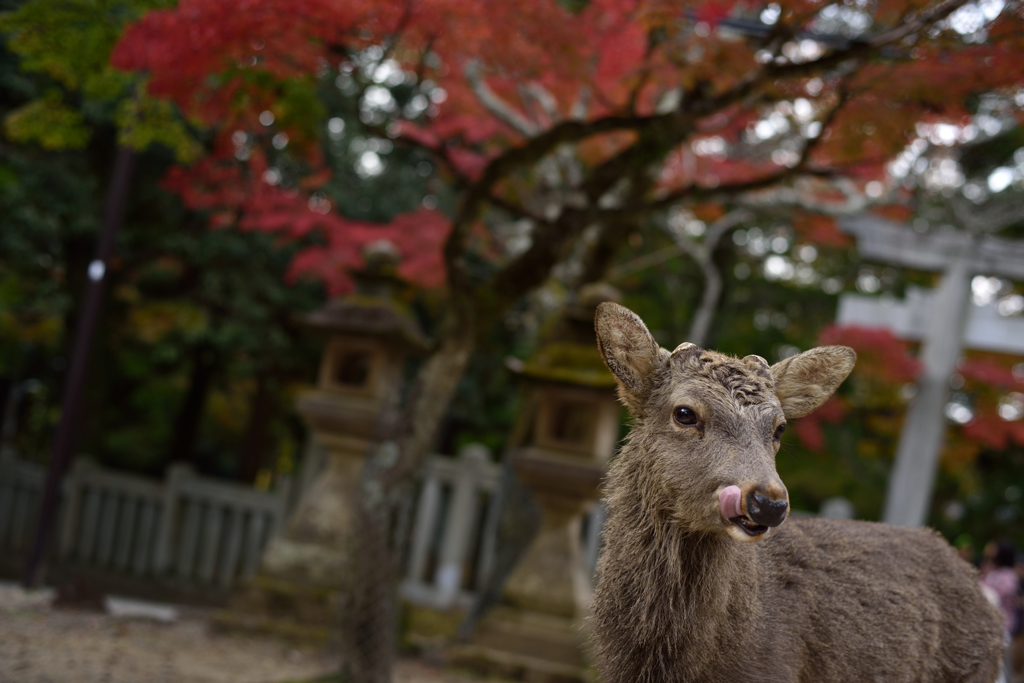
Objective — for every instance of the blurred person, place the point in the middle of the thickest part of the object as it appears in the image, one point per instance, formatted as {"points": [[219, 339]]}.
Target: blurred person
{"points": [[1017, 641], [1000, 578]]}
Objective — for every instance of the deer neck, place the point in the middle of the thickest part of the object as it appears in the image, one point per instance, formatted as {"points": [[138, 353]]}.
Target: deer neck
{"points": [[681, 595]]}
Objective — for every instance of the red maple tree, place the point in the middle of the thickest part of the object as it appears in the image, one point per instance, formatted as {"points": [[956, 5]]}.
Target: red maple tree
{"points": [[634, 85]]}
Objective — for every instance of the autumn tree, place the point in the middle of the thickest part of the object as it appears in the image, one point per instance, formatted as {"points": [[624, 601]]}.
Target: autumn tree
{"points": [[559, 127]]}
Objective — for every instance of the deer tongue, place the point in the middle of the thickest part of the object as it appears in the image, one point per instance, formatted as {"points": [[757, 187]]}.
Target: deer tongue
{"points": [[729, 501]]}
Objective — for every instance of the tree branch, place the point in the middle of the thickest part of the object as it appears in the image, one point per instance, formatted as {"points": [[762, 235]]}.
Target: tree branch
{"points": [[499, 108], [926, 19], [703, 254], [658, 133]]}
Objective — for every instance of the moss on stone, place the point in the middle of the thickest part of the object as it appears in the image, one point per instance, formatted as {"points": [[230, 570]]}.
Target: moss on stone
{"points": [[570, 363]]}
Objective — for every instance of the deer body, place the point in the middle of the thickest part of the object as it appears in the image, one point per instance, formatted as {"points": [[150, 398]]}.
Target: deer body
{"points": [[700, 579]]}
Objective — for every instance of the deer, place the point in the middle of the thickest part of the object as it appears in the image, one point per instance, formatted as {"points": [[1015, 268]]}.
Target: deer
{"points": [[703, 575]]}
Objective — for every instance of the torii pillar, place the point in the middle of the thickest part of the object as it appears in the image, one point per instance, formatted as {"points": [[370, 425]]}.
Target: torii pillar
{"points": [[959, 256]]}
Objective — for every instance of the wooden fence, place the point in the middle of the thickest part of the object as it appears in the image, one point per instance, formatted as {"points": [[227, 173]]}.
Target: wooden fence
{"points": [[21, 486], [197, 531], [187, 529]]}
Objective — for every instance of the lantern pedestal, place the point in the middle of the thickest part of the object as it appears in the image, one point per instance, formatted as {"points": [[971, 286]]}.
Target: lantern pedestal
{"points": [[298, 588], [537, 630]]}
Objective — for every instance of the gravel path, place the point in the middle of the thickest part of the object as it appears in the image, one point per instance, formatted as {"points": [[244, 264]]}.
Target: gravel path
{"points": [[39, 644]]}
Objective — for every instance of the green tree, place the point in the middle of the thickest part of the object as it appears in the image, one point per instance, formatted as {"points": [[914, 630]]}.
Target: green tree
{"points": [[179, 291]]}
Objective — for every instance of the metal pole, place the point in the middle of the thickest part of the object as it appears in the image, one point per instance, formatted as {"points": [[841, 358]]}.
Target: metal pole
{"points": [[64, 443], [917, 455]]}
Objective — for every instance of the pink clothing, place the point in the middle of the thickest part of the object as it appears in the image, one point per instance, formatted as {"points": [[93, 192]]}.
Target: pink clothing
{"points": [[1004, 582]]}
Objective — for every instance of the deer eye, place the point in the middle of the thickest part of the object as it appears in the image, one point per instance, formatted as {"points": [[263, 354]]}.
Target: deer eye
{"points": [[779, 431], [683, 416]]}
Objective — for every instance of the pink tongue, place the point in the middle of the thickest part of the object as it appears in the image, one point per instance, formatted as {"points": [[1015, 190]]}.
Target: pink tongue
{"points": [[729, 501]]}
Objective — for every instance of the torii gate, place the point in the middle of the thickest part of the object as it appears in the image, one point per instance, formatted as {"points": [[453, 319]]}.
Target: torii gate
{"points": [[941, 326]]}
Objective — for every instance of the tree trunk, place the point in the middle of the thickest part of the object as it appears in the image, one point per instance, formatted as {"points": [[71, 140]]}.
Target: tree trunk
{"points": [[435, 387], [190, 414], [368, 634], [256, 441], [518, 521], [369, 628]]}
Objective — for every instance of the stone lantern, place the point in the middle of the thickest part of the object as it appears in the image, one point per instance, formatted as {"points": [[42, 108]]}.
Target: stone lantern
{"points": [[573, 424], [370, 336]]}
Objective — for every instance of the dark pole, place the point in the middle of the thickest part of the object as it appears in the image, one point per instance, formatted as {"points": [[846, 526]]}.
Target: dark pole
{"points": [[64, 443]]}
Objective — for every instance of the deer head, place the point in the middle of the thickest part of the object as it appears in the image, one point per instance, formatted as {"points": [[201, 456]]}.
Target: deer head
{"points": [[708, 426]]}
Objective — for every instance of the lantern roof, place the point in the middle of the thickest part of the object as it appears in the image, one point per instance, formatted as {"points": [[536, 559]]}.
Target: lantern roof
{"points": [[569, 354], [374, 309]]}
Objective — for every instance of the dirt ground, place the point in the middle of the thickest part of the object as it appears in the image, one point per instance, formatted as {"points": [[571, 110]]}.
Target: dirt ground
{"points": [[40, 644]]}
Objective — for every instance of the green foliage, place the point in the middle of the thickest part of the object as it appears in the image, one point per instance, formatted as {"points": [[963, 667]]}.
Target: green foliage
{"points": [[988, 504], [982, 157], [44, 203], [69, 43], [49, 122], [144, 121]]}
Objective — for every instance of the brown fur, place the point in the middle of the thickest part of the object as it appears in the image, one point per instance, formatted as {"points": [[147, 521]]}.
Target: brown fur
{"points": [[679, 598]]}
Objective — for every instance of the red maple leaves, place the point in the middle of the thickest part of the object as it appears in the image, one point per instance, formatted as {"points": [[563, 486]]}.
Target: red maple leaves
{"points": [[998, 401], [883, 361], [418, 235], [235, 195], [543, 67]]}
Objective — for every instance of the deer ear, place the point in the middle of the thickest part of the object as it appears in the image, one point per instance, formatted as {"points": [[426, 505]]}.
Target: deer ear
{"points": [[629, 351], [805, 381]]}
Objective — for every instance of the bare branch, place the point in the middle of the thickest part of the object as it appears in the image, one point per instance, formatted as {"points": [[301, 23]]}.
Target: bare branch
{"points": [[989, 217], [926, 19], [499, 108], [683, 244], [545, 100], [858, 50], [802, 195]]}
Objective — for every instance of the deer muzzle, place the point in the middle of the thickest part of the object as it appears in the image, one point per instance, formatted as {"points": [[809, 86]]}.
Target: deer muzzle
{"points": [[753, 513], [765, 510]]}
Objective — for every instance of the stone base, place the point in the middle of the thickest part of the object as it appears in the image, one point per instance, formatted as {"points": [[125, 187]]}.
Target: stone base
{"points": [[428, 629], [526, 646], [284, 608]]}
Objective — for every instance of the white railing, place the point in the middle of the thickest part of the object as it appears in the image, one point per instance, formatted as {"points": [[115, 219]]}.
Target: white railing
{"points": [[451, 556], [453, 544]]}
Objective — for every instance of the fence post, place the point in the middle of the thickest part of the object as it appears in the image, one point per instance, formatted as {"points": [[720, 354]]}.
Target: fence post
{"points": [[177, 477], [425, 524], [460, 523], [146, 530]]}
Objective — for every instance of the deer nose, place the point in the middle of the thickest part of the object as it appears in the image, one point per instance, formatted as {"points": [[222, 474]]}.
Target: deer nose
{"points": [[765, 510]]}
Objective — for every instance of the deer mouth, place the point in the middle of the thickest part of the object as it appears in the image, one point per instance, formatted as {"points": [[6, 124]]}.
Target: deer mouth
{"points": [[748, 526], [730, 502]]}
